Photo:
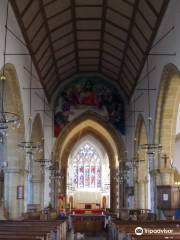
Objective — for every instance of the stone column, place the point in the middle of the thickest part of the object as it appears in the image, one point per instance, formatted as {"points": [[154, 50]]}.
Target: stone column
{"points": [[13, 179], [36, 191]]}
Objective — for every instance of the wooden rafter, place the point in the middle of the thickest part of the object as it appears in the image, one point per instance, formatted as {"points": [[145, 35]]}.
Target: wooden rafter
{"points": [[49, 38], [73, 13], [128, 36], [101, 48]]}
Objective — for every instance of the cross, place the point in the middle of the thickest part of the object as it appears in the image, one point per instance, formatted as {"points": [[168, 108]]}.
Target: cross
{"points": [[165, 157]]}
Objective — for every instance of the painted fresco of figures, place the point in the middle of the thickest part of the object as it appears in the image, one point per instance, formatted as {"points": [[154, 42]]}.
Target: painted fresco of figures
{"points": [[89, 94]]}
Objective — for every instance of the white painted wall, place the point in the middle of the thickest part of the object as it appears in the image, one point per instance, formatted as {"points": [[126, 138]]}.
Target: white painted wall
{"points": [[19, 62]]}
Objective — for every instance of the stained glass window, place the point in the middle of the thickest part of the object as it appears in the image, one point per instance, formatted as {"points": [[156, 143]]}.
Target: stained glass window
{"points": [[87, 167]]}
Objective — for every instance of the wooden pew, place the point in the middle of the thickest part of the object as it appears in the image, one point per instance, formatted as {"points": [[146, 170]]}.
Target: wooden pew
{"points": [[43, 230], [120, 228]]}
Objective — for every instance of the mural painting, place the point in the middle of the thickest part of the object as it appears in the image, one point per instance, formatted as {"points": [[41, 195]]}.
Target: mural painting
{"points": [[89, 94]]}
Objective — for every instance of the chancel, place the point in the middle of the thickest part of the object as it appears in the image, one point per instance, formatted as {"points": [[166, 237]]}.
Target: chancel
{"points": [[89, 119]]}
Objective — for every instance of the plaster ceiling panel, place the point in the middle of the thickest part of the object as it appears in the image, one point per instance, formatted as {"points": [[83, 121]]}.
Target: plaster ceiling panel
{"points": [[122, 6], [110, 66], [89, 53], [89, 61], [56, 7], [33, 28], [88, 24], [110, 58], [148, 12], [88, 68], [117, 19], [42, 48], [108, 73], [132, 57], [136, 49], [114, 41], [130, 66], [64, 51], [140, 37], [68, 66], [47, 65], [61, 32], [88, 35], [88, 45], [143, 25], [46, 73], [88, 12], [89, 2], [28, 16], [112, 51], [68, 74], [66, 59], [126, 82], [157, 4], [63, 42], [38, 39], [59, 19], [128, 74], [45, 57], [22, 4], [116, 31]]}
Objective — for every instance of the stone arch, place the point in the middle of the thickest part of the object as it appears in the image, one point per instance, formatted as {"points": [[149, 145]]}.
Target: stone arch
{"points": [[141, 173], [37, 174], [15, 173], [90, 123], [166, 111]]}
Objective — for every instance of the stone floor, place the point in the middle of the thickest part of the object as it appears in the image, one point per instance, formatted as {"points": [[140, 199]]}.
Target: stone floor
{"points": [[99, 236]]}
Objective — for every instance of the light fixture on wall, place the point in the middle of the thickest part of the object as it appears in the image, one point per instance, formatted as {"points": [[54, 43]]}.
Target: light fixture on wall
{"points": [[7, 118], [29, 146]]}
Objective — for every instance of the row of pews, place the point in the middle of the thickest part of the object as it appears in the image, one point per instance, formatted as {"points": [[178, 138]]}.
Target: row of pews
{"points": [[120, 230], [32, 229]]}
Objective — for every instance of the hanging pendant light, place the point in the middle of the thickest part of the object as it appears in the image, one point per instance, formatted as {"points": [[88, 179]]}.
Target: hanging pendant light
{"points": [[7, 118]]}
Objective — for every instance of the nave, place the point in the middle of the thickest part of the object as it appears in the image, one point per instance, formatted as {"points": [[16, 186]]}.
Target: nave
{"points": [[89, 119]]}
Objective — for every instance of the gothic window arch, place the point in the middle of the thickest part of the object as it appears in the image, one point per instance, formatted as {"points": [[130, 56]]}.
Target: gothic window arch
{"points": [[87, 167]]}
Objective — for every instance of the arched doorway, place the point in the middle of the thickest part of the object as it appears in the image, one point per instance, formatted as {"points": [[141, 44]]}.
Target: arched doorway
{"points": [[142, 181], [15, 173], [91, 124], [36, 171]]}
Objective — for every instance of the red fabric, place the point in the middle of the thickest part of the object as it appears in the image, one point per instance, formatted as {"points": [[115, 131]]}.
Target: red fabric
{"points": [[91, 211]]}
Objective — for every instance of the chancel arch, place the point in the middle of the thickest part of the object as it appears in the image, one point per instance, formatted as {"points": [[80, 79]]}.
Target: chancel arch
{"points": [[141, 178], [90, 124], [15, 173], [36, 171]]}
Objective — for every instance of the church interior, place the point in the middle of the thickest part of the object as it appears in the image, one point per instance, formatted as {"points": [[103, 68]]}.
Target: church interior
{"points": [[89, 119]]}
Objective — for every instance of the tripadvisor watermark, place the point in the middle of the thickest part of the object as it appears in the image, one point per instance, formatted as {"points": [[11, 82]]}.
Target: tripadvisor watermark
{"points": [[140, 231]]}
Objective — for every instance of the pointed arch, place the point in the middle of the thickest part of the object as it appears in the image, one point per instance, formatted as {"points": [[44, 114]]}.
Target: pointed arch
{"points": [[167, 110], [16, 160], [93, 124], [141, 173], [37, 175]]}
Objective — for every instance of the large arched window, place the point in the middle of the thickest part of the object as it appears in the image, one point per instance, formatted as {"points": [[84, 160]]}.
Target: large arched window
{"points": [[87, 167]]}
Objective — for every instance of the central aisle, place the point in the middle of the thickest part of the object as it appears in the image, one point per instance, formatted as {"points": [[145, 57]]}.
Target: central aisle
{"points": [[98, 236]]}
